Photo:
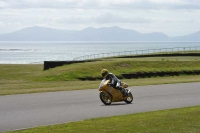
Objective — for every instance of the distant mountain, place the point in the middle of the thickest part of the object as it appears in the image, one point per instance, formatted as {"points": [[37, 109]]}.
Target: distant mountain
{"points": [[192, 37], [36, 34], [91, 34]]}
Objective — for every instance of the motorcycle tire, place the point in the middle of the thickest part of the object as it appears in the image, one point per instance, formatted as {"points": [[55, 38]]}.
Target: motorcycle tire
{"points": [[129, 99], [105, 97]]}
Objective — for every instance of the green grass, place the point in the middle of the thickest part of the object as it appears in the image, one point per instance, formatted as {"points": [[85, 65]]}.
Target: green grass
{"points": [[92, 69], [183, 120], [18, 79], [51, 86]]}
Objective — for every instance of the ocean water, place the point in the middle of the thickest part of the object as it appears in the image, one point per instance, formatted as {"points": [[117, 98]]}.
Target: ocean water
{"points": [[38, 52]]}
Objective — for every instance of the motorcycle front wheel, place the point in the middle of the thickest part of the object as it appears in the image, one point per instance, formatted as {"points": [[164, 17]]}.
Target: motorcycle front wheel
{"points": [[129, 98], [105, 97]]}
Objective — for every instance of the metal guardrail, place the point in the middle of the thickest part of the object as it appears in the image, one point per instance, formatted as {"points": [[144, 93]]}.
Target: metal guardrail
{"points": [[136, 53]]}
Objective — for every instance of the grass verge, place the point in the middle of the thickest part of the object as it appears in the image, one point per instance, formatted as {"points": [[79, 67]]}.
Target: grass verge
{"points": [[11, 88], [20, 79], [183, 120]]}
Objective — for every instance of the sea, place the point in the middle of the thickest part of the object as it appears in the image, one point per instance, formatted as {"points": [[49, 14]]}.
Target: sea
{"points": [[17, 52]]}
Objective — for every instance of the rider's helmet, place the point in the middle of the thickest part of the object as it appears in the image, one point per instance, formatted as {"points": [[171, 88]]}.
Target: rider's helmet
{"points": [[104, 73]]}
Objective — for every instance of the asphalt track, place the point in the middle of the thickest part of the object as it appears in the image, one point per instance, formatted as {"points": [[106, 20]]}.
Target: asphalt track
{"points": [[31, 110]]}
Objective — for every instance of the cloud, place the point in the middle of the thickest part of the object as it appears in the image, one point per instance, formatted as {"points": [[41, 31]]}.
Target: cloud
{"points": [[159, 4], [141, 15], [1, 24], [102, 19], [102, 4], [110, 18]]}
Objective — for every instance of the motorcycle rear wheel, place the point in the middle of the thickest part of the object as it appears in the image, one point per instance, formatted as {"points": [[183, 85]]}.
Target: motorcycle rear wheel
{"points": [[105, 97], [129, 99]]}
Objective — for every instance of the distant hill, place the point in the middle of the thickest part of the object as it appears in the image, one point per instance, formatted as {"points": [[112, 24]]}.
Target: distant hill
{"points": [[91, 34], [192, 37], [36, 34]]}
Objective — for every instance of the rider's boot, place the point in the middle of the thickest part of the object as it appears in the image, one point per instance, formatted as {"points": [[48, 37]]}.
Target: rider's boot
{"points": [[124, 92]]}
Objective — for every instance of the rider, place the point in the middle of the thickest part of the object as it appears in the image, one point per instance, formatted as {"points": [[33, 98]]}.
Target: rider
{"points": [[114, 81]]}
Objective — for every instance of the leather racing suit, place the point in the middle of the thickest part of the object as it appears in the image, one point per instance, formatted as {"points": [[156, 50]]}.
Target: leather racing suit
{"points": [[115, 83]]}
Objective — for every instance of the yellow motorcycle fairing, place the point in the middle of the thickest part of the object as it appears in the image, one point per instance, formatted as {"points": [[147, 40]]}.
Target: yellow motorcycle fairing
{"points": [[116, 94]]}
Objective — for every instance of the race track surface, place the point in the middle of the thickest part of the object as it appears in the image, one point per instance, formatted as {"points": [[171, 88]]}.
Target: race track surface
{"points": [[31, 110]]}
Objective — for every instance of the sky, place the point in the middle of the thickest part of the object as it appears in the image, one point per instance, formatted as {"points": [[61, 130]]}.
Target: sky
{"points": [[172, 17]]}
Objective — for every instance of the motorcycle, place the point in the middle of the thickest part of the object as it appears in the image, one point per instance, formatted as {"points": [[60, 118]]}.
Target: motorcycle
{"points": [[108, 94]]}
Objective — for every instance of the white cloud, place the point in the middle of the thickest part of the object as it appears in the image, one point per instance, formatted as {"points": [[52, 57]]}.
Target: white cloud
{"points": [[142, 15], [109, 18], [2, 4], [101, 19], [102, 4], [1, 24]]}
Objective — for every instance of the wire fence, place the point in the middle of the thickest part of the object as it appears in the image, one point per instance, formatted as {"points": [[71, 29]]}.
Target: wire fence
{"points": [[137, 52]]}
